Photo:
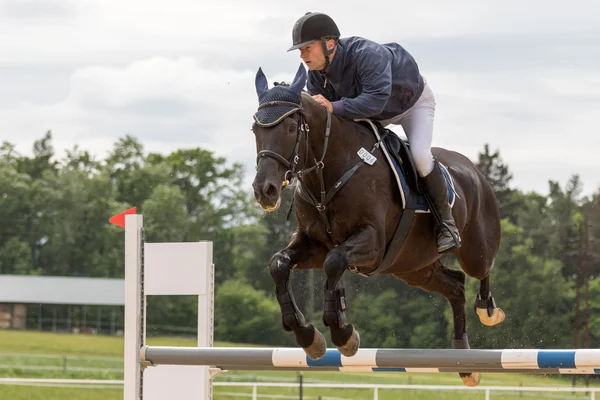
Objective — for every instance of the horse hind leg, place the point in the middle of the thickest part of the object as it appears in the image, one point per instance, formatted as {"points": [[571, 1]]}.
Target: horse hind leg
{"points": [[451, 284], [480, 268], [477, 255], [485, 305]]}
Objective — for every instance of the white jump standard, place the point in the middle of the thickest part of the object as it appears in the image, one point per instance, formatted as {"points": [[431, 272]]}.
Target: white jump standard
{"points": [[165, 269], [163, 372]]}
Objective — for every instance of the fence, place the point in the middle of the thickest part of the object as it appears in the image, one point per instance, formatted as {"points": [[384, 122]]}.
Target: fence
{"points": [[255, 386], [58, 362]]}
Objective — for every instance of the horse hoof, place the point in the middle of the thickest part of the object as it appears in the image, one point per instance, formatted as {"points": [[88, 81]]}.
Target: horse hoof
{"points": [[471, 379], [317, 348], [497, 316], [352, 345]]}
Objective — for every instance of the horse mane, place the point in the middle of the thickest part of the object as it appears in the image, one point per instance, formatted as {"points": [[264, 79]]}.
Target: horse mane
{"points": [[349, 123], [306, 95]]}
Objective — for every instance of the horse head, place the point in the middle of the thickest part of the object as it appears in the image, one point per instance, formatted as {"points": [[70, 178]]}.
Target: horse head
{"points": [[278, 128]]}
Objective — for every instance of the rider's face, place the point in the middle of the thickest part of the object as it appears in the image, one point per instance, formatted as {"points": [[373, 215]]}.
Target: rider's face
{"points": [[313, 56]]}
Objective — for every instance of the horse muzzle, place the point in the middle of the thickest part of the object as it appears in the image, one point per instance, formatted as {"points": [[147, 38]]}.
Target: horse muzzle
{"points": [[267, 195]]}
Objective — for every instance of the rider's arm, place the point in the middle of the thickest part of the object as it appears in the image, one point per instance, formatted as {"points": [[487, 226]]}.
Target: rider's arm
{"points": [[373, 66]]}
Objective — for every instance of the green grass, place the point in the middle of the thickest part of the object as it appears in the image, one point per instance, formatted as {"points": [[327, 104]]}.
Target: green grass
{"points": [[13, 341], [54, 393], [86, 351]]}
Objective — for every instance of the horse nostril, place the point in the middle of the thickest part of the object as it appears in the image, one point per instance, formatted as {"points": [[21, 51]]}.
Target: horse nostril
{"points": [[270, 190]]}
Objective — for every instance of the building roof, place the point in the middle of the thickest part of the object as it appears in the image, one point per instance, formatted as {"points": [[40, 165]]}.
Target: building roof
{"points": [[62, 290]]}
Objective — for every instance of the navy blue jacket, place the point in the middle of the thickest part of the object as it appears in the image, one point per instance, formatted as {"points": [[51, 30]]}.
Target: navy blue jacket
{"points": [[369, 80]]}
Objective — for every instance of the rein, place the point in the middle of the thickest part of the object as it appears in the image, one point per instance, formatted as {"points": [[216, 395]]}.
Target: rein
{"points": [[319, 165]]}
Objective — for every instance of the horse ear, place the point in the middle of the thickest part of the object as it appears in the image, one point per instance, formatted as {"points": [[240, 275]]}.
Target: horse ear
{"points": [[299, 80], [261, 82]]}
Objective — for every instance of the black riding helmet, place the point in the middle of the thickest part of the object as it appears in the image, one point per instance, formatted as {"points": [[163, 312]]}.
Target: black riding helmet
{"points": [[313, 26]]}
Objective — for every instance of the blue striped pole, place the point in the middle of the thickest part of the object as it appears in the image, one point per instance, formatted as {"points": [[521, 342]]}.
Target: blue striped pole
{"points": [[583, 361]]}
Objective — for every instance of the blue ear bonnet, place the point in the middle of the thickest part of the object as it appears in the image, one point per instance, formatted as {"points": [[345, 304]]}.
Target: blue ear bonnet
{"points": [[277, 104]]}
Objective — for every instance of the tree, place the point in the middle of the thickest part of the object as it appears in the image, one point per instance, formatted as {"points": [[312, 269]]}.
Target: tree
{"points": [[533, 216], [15, 258], [166, 218], [565, 216], [133, 179], [499, 177], [15, 203], [533, 293], [214, 198], [42, 162], [411, 318], [55, 222], [245, 315], [72, 231]]}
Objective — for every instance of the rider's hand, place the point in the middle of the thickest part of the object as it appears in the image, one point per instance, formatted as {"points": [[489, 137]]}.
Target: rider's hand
{"points": [[323, 101]]}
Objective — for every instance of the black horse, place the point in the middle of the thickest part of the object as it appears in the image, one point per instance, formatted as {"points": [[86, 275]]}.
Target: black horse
{"points": [[348, 206]]}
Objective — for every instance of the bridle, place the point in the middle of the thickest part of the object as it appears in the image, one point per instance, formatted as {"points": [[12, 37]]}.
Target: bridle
{"points": [[303, 130], [292, 163]]}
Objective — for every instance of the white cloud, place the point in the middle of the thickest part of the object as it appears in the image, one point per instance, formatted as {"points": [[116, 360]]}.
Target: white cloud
{"points": [[153, 78], [46, 11], [166, 103], [240, 27], [584, 84]]}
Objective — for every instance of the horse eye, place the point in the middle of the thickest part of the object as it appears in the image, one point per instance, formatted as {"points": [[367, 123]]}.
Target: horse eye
{"points": [[293, 128]]}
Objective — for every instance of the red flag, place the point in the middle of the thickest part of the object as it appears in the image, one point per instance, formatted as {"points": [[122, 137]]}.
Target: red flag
{"points": [[119, 219]]}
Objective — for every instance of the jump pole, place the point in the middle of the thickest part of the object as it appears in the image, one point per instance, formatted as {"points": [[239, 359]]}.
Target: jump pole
{"points": [[187, 372]]}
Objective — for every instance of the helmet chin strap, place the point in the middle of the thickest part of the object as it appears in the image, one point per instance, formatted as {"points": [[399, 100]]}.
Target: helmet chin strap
{"points": [[327, 53]]}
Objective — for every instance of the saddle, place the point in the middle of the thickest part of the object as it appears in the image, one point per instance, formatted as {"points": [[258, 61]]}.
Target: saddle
{"points": [[399, 149]]}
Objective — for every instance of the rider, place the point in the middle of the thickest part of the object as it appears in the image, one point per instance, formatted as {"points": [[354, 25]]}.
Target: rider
{"points": [[357, 78]]}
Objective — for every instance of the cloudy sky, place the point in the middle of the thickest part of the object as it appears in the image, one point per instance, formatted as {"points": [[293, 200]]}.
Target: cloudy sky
{"points": [[521, 76]]}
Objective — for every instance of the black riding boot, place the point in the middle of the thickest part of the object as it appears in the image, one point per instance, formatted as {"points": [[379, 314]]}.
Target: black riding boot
{"points": [[437, 189]]}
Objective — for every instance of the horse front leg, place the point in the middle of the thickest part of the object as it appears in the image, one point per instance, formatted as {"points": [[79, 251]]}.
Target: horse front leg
{"points": [[361, 249], [305, 254]]}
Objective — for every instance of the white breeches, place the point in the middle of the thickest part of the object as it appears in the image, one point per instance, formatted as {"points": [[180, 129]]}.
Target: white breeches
{"points": [[417, 123]]}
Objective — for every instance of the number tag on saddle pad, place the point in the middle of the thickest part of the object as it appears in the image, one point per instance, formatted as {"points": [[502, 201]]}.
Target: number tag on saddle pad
{"points": [[368, 157]]}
